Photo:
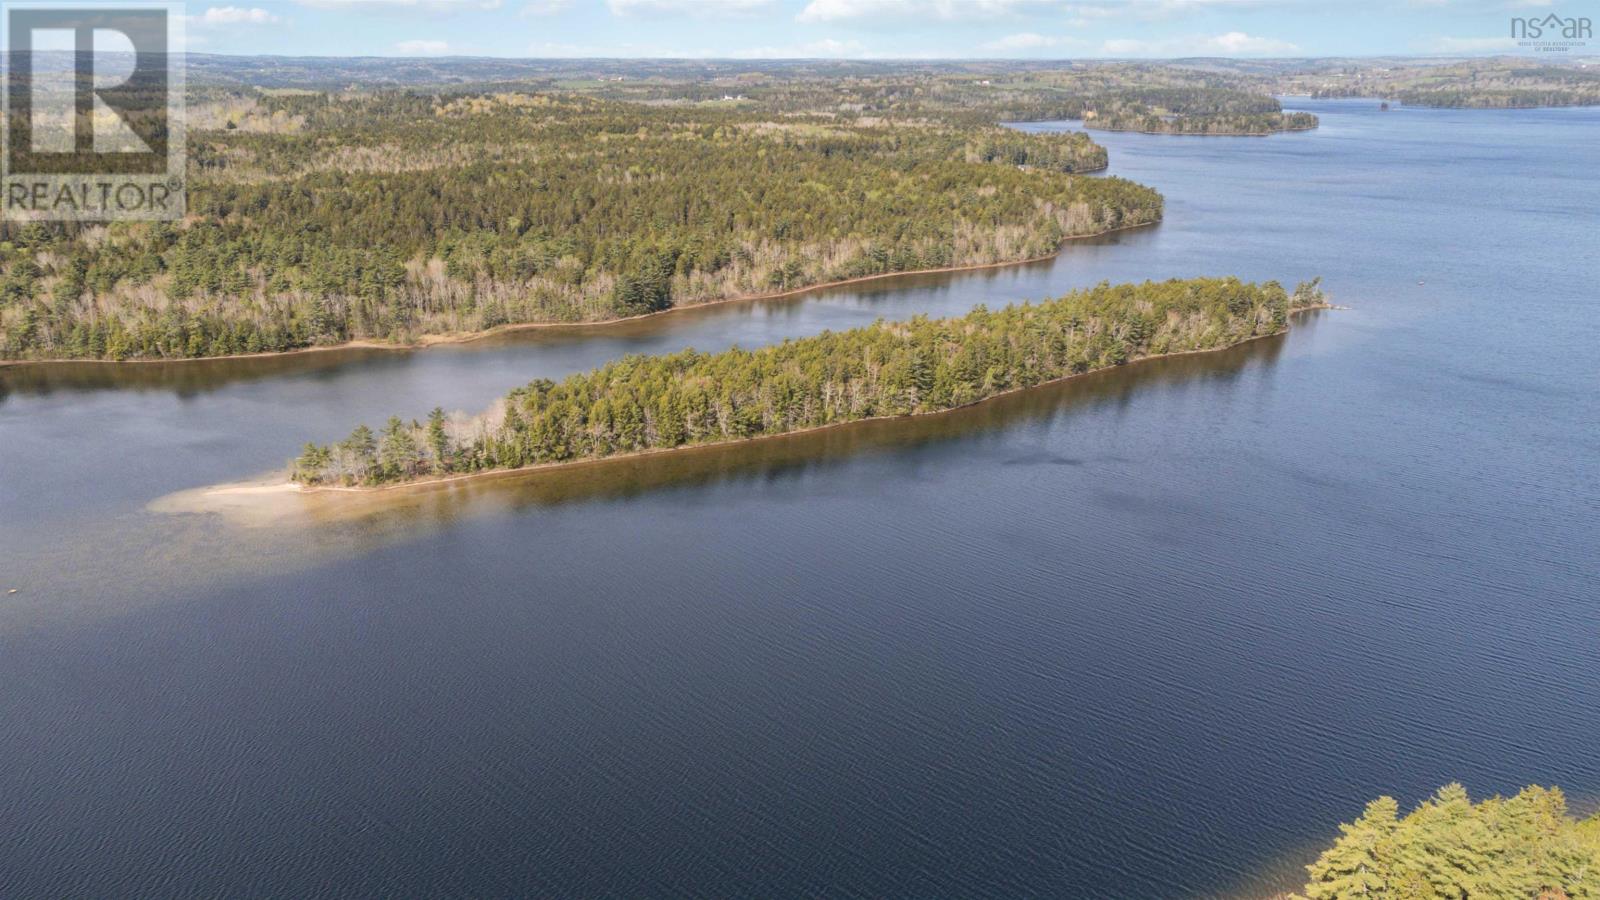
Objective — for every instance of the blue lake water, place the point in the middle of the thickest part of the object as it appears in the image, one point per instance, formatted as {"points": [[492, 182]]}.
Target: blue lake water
{"points": [[1149, 633]]}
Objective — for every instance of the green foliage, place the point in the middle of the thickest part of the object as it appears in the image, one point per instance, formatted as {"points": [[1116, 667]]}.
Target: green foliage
{"points": [[395, 214], [982, 93], [438, 442], [397, 451], [887, 369], [1193, 110], [1452, 849]]}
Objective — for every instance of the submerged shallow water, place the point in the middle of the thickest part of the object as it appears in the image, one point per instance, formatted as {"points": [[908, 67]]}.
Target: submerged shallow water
{"points": [[1151, 632]]}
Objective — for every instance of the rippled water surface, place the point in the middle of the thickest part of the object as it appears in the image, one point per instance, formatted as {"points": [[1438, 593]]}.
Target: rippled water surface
{"points": [[1145, 633]]}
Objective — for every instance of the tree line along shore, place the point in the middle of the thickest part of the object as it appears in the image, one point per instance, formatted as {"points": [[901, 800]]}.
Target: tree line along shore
{"points": [[318, 220], [645, 403]]}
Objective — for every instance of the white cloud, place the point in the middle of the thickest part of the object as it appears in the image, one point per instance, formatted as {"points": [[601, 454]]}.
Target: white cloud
{"points": [[968, 10], [625, 50], [943, 10], [234, 15], [836, 10], [1233, 43], [558, 50], [433, 6], [1472, 44], [1167, 9], [544, 7], [422, 47], [704, 9], [1026, 40], [827, 48]]}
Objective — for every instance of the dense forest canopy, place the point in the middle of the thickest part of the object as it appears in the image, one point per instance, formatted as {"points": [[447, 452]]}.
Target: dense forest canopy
{"points": [[475, 193], [455, 196], [1523, 848], [887, 369], [318, 218]]}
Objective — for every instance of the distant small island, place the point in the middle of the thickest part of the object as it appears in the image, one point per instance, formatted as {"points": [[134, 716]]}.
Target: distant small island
{"points": [[1218, 124], [642, 404], [1192, 110]]}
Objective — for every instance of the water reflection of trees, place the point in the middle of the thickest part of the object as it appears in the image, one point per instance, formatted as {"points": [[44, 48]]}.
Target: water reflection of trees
{"points": [[186, 378], [779, 456]]}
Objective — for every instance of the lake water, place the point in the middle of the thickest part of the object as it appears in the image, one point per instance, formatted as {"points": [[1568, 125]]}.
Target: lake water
{"points": [[1147, 633]]}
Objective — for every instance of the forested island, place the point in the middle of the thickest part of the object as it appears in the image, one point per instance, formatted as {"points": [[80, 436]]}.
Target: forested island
{"points": [[319, 219], [645, 403], [1525, 847], [1155, 122], [1194, 111]]}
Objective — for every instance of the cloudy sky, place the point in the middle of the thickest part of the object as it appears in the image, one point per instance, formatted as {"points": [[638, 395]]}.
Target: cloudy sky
{"points": [[864, 28]]}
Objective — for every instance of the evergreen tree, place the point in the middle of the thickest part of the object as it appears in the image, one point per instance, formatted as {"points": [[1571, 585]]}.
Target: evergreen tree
{"points": [[360, 450], [922, 365], [438, 441], [397, 450], [449, 214], [1356, 865], [1521, 848]]}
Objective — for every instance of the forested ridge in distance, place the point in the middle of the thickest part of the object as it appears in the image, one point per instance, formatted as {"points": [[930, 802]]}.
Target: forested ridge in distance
{"points": [[1468, 84], [643, 403]]}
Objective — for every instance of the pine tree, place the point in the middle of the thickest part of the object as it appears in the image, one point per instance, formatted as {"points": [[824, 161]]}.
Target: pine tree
{"points": [[1355, 865], [397, 451], [1523, 847], [438, 441], [360, 448]]}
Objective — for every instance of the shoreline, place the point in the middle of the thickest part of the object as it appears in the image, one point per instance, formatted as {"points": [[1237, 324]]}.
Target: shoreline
{"points": [[1207, 133], [436, 340], [288, 486]]}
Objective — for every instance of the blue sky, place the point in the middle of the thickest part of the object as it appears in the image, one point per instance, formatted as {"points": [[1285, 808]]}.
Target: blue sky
{"points": [[1024, 29]]}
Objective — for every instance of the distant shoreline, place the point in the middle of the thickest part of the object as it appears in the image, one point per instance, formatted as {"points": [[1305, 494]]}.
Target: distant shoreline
{"points": [[435, 340], [1397, 103], [1205, 133], [289, 486]]}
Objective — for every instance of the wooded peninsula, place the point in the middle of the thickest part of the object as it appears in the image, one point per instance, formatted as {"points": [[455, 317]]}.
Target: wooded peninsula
{"points": [[645, 403], [318, 219]]}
